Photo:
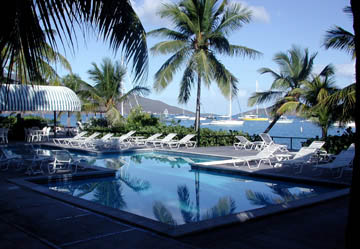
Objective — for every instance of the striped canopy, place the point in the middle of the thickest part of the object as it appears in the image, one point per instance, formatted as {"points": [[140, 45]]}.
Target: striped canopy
{"points": [[38, 98]]}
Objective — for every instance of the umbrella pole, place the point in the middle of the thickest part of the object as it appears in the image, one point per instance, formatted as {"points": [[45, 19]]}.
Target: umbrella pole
{"points": [[54, 123]]}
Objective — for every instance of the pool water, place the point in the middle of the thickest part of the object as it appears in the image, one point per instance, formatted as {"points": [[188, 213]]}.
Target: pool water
{"points": [[163, 187]]}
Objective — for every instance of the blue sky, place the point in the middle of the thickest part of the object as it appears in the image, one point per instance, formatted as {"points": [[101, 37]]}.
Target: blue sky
{"points": [[276, 26]]}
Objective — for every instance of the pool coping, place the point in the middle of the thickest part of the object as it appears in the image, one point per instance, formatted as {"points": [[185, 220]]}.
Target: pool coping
{"points": [[36, 184]]}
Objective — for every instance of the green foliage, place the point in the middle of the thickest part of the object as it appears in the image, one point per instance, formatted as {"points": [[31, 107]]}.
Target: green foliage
{"points": [[138, 119], [7, 122], [335, 144]]}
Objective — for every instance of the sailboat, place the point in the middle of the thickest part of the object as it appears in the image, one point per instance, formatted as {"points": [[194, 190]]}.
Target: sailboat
{"points": [[229, 121], [254, 117]]}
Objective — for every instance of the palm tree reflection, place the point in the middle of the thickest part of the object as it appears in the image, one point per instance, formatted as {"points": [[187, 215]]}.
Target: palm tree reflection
{"points": [[282, 195], [225, 206]]}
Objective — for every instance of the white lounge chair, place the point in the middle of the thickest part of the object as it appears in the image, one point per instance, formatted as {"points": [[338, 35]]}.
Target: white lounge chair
{"points": [[159, 142], [269, 141], [303, 157], [144, 141], [341, 162], [93, 143], [186, 141], [245, 144], [66, 140], [263, 156], [80, 141], [118, 142]]}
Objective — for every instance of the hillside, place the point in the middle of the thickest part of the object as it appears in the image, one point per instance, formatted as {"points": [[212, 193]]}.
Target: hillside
{"points": [[153, 106]]}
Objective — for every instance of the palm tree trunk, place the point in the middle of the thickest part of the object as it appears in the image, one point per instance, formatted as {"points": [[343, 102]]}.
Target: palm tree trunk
{"points": [[276, 118], [324, 131], [352, 241], [197, 115]]}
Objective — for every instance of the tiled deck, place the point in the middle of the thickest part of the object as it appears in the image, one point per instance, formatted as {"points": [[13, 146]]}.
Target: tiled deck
{"points": [[31, 219]]}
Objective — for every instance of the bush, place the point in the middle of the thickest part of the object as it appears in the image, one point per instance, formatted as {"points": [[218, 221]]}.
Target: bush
{"points": [[335, 144]]}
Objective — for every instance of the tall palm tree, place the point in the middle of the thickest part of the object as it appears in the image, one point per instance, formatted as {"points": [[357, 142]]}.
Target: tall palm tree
{"points": [[201, 31], [340, 38], [109, 79], [295, 68], [24, 25]]}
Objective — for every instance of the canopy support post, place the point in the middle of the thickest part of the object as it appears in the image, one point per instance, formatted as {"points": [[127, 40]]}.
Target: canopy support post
{"points": [[55, 124]]}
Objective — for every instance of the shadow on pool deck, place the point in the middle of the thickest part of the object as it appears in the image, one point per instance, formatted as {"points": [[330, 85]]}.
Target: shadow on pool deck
{"points": [[29, 219]]}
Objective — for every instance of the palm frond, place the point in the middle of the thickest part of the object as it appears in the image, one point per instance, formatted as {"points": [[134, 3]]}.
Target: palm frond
{"points": [[340, 38], [167, 47], [263, 97]]}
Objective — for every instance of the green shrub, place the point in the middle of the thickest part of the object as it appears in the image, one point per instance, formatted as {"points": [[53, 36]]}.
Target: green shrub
{"points": [[335, 144]]}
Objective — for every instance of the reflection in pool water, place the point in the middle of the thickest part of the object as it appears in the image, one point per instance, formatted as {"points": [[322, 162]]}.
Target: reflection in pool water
{"points": [[163, 187]]}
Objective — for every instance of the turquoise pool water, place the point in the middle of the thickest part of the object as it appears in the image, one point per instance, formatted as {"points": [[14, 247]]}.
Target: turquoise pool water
{"points": [[163, 187]]}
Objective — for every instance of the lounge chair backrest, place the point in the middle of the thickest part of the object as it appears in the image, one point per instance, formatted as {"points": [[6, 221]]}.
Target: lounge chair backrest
{"points": [[168, 137], [268, 151], [107, 136], [81, 134], [305, 152], [344, 158], [186, 138], [126, 136], [242, 139], [92, 136], [155, 136], [316, 144], [266, 138]]}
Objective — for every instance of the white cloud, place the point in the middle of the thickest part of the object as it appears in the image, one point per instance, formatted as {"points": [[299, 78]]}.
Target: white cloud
{"points": [[259, 13], [147, 12], [346, 70]]}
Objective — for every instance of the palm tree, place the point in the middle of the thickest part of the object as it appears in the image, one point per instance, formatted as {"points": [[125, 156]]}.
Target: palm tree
{"points": [[340, 38], [295, 68], [315, 95], [82, 89], [47, 73], [23, 29], [201, 30], [109, 79], [344, 99]]}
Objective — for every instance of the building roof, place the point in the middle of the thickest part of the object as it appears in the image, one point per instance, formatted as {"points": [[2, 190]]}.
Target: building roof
{"points": [[38, 98]]}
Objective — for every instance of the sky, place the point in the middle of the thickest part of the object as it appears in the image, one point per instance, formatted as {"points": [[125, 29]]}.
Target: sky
{"points": [[276, 26]]}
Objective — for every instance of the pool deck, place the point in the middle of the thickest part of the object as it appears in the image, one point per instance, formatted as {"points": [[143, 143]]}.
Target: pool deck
{"points": [[32, 220]]}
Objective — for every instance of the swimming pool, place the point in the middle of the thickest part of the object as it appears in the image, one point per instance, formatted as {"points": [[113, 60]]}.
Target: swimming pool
{"points": [[163, 187]]}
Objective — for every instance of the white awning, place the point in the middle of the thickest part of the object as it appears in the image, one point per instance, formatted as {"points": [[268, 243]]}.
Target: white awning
{"points": [[38, 98]]}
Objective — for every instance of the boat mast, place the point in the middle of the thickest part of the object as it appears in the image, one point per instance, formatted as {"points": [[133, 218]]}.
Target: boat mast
{"points": [[257, 106]]}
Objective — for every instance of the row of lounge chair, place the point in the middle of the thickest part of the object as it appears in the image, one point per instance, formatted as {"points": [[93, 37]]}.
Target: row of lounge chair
{"points": [[312, 156], [108, 141]]}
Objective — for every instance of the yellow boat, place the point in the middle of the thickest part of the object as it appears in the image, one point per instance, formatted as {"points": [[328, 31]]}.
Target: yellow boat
{"points": [[253, 117]]}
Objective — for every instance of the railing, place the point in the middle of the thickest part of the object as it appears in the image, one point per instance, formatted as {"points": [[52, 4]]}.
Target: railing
{"points": [[291, 142]]}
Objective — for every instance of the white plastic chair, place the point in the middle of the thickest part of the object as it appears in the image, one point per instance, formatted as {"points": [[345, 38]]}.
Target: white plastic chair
{"points": [[186, 141], [269, 141], [144, 141], [245, 144], [159, 142], [342, 161]]}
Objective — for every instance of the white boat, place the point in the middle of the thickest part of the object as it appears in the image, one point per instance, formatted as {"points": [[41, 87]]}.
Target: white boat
{"points": [[283, 120], [254, 117], [228, 121], [184, 117], [193, 118]]}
